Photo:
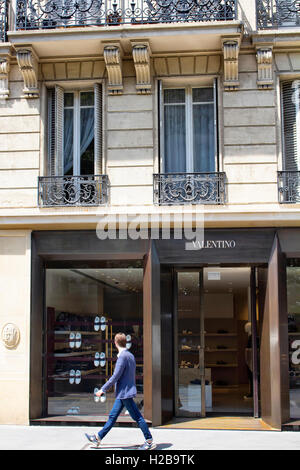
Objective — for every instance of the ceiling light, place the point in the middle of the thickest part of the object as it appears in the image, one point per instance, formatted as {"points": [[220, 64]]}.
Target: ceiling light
{"points": [[214, 276]]}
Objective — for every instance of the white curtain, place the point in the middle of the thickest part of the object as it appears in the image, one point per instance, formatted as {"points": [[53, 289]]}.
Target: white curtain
{"points": [[204, 137], [201, 135], [87, 119], [174, 131], [86, 135]]}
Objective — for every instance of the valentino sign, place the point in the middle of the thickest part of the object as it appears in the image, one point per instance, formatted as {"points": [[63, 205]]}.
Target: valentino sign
{"points": [[219, 244]]}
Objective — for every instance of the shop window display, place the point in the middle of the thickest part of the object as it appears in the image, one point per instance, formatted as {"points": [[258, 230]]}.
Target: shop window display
{"points": [[85, 308], [293, 297]]}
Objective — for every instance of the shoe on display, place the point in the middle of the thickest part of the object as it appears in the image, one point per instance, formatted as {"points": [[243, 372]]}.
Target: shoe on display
{"points": [[96, 360], [78, 340], [248, 397], [196, 382], [71, 340], [102, 359], [72, 376], [78, 377], [97, 324], [103, 323]]}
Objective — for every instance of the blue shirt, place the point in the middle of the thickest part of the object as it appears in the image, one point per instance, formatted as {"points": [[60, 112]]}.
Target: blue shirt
{"points": [[123, 377]]}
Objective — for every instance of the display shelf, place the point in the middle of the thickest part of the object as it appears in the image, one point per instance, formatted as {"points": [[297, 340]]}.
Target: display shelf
{"points": [[74, 354], [67, 332], [220, 350], [193, 350], [189, 336], [208, 334], [221, 334], [224, 386], [221, 365]]}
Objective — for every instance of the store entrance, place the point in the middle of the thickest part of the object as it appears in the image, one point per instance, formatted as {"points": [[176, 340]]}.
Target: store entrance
{"points": [[215, 317]]}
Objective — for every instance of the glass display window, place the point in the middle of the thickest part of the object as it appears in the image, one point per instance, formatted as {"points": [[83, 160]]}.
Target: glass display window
{"points": [[293, 302], [85, 308]]}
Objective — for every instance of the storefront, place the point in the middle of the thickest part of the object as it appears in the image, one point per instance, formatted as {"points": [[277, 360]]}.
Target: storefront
{"points": [[210, 328]]}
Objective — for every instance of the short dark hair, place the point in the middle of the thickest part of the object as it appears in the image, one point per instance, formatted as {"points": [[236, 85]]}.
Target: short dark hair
{"points": [[120, 340]]}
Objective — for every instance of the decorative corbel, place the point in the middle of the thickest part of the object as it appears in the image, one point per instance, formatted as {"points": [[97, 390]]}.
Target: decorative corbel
{"points": [[28, 65], [113, 61], [264, 57], [231, 50], [4, 74], [141, 59]]}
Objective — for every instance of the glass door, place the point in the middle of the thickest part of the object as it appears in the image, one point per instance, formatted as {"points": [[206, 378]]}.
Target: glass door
{"points": [[191, 392]]}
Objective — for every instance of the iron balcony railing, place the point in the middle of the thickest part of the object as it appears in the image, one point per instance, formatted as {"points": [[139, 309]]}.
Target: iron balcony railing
{"points": [[3, 20], [277, 13], [289, 187], [91, 190], [42, 14], [189, 188]]}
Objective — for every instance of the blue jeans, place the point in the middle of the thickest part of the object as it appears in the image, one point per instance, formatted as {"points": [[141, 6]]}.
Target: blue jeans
{"points": [[134, 412]]}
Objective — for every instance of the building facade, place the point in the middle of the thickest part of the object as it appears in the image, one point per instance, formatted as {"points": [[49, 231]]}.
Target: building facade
{"points": [[120, 117]]}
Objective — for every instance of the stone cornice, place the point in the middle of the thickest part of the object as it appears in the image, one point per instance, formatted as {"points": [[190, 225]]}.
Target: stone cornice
{"points": [[113, 60], [28, 65], [265, 76], [5, 59], [141, 59], [231, 49]]}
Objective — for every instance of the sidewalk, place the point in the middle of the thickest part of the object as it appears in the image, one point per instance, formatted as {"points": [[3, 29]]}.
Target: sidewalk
{"points": [[72, 438]]}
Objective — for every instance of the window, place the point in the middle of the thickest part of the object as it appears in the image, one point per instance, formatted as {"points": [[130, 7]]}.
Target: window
{"points": [[289, 178], [291, 125], [74, 131], [293, 312], [85, 308], [189, 130]]}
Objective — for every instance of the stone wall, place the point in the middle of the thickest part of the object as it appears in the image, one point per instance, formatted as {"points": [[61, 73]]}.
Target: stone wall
{"points": [[15, 288], [249, 123]]}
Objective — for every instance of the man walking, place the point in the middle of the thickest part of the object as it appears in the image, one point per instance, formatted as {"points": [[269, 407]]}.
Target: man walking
{"points": [[124, 380]]}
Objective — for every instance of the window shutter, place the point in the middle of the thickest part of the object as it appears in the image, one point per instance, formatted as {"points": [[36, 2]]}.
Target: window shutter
{"points": [[98, 131], [160, 124], [216, 119], [291, 125], [59, 130], [51, 132], [55, 131]]}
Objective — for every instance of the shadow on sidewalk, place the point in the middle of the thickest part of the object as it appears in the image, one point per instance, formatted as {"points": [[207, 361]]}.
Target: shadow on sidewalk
{"points": [[89, 446]]}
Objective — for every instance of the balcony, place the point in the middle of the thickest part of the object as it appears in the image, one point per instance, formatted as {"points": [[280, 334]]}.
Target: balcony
{"points": [[91, 190], [43, 14], [3, 20], [289, 187], [189, 188], [277, 13]]}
